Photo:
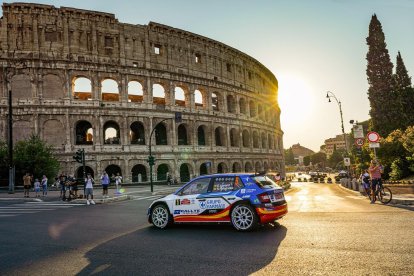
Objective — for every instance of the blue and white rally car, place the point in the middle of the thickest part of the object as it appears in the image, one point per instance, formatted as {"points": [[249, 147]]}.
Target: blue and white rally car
{"points": [[242, 199]]}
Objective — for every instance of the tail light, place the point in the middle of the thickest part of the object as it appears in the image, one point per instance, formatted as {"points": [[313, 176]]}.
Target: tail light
{"points": [[264, 198]]}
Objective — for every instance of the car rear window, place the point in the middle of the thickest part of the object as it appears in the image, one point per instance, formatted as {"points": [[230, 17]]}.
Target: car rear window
{"points": [[264, 182]]}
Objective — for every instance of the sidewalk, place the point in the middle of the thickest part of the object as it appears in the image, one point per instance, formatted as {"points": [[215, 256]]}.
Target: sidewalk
{"points": [[54, 195], [402, 199]]}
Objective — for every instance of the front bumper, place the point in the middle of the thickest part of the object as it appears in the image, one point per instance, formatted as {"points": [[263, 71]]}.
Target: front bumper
{"points": [[270, 214]]}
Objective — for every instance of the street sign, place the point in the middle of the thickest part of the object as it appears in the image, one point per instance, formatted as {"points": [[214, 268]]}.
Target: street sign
{"points": [[347, 161], [359, 142], [373, 136], [358, 131], [374, 145]]}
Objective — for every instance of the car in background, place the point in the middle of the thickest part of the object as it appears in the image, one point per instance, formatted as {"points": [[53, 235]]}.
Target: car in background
{"points": [[244, 200]]}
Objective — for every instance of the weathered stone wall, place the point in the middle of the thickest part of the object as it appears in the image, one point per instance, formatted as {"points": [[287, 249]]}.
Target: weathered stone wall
{"points": [[45, 50]]}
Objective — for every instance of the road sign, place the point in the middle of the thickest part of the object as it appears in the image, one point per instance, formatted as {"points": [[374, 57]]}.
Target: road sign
{"points": [[359, 142], [373, 137], [358, 131], [374, 145], [347, 161]]}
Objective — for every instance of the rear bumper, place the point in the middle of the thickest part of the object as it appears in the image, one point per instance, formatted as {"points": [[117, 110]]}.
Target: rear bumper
{"points": [[270, 214]]}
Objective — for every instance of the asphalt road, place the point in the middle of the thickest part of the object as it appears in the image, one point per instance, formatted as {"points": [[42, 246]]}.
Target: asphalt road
{"points": [[328, 231]]}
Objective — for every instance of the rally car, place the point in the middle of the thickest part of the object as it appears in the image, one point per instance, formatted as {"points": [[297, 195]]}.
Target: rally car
{"points": [[242, 199]]}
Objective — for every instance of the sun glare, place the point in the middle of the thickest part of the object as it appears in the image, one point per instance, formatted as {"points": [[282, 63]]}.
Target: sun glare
{"points": [[295, 99]]}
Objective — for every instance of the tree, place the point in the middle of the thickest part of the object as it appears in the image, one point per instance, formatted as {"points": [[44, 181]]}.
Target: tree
{"points": [[336, 158], [289, 158], [306, 160], [404, 92], [318, 158], [380, 79], [34, 156], [3, 162]]}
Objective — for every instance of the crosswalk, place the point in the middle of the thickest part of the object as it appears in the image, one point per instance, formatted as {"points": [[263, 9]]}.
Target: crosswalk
{"points": [[34, 207]]}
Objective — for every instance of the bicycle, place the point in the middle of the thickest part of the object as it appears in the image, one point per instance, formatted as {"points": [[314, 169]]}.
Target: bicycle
{"points": [[381, 193]]}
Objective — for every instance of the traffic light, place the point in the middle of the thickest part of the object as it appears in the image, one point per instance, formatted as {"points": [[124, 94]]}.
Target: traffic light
{"points": [[79, 156], [151, 160], [178, 117]]}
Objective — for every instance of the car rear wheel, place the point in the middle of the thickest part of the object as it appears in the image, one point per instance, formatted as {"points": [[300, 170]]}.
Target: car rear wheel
{"points": [[160, 216], [243, 217]]}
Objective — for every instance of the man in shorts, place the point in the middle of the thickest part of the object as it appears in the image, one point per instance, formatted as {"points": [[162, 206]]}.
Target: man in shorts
{"points": [[105, 183], [89, 189], [27, 184]]}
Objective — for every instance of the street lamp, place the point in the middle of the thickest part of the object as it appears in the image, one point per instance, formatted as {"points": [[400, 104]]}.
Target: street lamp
{"points": [[330, 95]]}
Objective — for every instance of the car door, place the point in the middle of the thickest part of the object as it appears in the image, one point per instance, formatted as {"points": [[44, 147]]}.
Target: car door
{"points": [[186, 206]]}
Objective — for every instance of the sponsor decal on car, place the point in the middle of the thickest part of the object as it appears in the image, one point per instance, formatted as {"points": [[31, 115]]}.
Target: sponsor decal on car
{"points": [[212, 204], [184, 201], [186, 212]]}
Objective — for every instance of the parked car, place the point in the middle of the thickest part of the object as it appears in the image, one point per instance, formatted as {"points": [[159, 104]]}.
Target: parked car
{"points": [[242, 199]]}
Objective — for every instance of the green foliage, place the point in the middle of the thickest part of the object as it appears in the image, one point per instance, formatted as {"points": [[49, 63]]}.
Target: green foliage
{"points": [[35, 156], [289, 158], [306, 160], [3, 154], [336, 159], [318, 158], [399, 169]]}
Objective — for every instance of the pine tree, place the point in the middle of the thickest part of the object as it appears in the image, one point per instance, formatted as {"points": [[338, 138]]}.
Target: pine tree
{"points": [[380, 79], [401, 78], [402, 87]]}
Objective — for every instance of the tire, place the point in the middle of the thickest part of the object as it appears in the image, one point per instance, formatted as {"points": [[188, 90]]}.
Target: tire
{"points": [[160, 216], [244, 217], [385, 195]]}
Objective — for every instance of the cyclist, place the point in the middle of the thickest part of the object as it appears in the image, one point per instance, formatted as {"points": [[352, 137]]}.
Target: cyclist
{"points": [[375, 173]]}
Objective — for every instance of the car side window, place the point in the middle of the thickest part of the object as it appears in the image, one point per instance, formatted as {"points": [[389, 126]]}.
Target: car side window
{"points": [[227, 183], [199, 186]]}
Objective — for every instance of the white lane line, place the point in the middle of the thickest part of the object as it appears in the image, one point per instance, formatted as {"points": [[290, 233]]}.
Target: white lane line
{"points": [[147, 197], [17, 212], [4, 216], [22, 208]]}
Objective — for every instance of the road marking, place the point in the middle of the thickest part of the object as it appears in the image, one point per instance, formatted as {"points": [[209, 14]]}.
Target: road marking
{"points": [[34, 207]]}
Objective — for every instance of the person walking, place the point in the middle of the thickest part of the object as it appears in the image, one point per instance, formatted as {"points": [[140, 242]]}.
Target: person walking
{"points": [[37, 187], [62, 181], [105, 184], [44, 185], [118, 181], [375, 173], [89, 189], [27, 184]]}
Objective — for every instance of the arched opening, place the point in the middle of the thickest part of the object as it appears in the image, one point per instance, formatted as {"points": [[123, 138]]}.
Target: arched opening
{"points": [[137, 133], [264, 141], [161, 135], [179, 96], [184, 173], [221, 168], [242, 104], [231, 105], [236, 167], [220, 137], [246, 138], [182, 135], [260, 111], [139, 173], [198, 98], [84, 133], [234, 137], [257, 167], [253, 109], [111, 133], [112, 170], [270, 140], [203, 169], [88, 170], [162, 172], [255, 140], [201, 136], [214, 101], [248, 167], [82, 89], [158, 94], [110, 90], [135, 92]]}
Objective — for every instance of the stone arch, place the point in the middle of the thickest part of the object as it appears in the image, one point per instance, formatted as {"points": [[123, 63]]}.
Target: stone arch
{"points": [[199, 99], [231, 104], [243, 106], [264, 141], [135, 92], [111, 133], [161, 137], [162, 171], [185, 172], [181, 96], [260, 111], [220, 137], [137, 133], [248, 167], [112, 170], [52, 87], [158, 94], [182, 135], [79, 172], [246, 138], [203, 169], [81, 88], [53, 132], [109, 90], [234, 137], [83, 133], [201, 135], [252, 109], [236, 167], [270, 141], [21, 87], [215, 101], [255, 139], [222, 167], [257, 166], [22, 130], [137, 170]]}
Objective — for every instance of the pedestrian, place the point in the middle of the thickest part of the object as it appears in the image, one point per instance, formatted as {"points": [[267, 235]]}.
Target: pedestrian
{"points": [[375, 173], [37, 187], [44, 185], [74, 186], [62, 182], [118, 181], [364, 178], [105, 184], [89, 189], [27, 184], [169, 179]]}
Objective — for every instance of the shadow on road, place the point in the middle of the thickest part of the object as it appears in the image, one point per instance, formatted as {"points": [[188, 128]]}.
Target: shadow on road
{"points": [[187, 249]]}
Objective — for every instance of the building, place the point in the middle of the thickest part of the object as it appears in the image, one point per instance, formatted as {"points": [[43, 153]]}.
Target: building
{"points": [[82, 80], [336, 143], [299, 152]]}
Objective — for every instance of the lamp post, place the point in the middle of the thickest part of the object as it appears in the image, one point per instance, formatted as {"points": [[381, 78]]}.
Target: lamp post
{"points": [[330, 95]]}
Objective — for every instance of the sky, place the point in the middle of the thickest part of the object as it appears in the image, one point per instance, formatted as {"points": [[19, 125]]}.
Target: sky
{"points": [[310, 46]]}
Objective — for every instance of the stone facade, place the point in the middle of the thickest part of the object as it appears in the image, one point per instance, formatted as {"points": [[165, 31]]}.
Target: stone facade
{"points": [[81, 79], [333, 144]]}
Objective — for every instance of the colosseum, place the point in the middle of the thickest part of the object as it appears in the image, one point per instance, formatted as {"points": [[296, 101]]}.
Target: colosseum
{"points": [[80, 79]]}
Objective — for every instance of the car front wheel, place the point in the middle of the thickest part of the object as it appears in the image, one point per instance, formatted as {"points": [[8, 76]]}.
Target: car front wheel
{"points": [[160, 216], [244, 217]]}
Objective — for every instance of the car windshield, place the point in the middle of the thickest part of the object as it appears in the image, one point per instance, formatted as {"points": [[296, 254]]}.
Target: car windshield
{"points": [[264, 182]]}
